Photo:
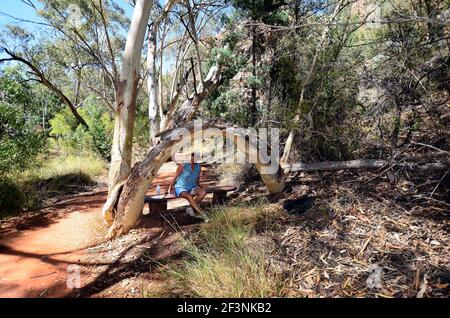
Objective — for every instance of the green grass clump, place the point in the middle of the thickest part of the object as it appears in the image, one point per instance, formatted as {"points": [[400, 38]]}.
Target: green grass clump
{"points": [[24, 190], [227, 259], [91, 166]]}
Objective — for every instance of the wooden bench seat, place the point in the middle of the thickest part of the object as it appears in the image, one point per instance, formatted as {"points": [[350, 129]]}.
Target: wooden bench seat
{"points": [[158, 203]]}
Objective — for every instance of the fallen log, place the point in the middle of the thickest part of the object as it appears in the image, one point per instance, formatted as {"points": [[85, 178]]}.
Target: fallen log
{"points": [[361, 164]]}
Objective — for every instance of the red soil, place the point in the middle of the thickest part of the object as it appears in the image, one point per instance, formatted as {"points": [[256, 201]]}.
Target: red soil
{"points": [[37, 249]]}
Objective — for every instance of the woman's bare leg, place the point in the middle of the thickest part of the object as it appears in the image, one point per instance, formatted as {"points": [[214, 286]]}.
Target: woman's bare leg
{"points": [[199, 193], [192, 202]]}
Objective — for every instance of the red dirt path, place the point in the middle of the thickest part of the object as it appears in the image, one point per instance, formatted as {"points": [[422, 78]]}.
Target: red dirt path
{"points": [[36, 249]]}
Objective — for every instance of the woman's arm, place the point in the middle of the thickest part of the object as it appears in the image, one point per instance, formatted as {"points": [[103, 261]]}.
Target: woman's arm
{"points": [[175, 177]]}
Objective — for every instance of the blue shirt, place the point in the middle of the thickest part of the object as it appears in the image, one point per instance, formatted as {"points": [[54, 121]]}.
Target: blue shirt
{"points": [[188, 177]]}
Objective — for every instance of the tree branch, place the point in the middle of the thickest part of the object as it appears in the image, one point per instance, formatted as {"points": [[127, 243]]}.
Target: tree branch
{"points": [[47, 83]]}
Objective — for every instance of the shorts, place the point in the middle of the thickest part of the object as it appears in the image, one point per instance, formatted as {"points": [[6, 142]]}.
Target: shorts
{"points": [[178, 190]]}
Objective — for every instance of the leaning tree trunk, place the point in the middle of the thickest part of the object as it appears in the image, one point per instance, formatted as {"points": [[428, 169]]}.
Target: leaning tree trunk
{"points": [[153, 118], [155, 101], [125, 107], [176, 96], [178, 116], [131, 200], [178, 85]]}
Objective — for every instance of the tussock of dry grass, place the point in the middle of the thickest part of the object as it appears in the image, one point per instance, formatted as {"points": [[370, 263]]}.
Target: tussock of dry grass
{"points": [[226, 260], [52, 176], [90, 166]]}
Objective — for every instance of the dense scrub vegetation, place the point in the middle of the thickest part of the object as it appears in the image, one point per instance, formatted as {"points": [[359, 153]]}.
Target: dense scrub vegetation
{"points": [[43, 149], [326, 72], [362, 90]]}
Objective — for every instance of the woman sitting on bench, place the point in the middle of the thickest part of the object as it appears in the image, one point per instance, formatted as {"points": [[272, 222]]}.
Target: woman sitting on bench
{"points": [[186, 185]]}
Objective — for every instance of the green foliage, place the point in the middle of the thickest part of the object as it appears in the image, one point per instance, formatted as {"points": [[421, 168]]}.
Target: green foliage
{"points": [[70, 137], [63, 123], [10, 195], [141, 124], [68, 57], [229, 107], [28, 189], [254, 81], [101, 127], [20, 139], [18, 151], [229, 61], [225, 103], [335, 122], [141, 130], [266, 10], [73, 138]]}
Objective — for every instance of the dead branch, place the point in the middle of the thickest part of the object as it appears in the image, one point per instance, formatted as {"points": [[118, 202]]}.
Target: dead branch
{"points": [[360, 164]]}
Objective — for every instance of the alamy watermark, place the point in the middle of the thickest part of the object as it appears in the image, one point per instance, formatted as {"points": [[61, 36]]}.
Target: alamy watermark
{"points": [[73, 276], [230, 145], [374, 279]]}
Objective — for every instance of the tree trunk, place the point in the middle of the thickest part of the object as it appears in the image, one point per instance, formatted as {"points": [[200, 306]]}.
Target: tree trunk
{"points": [[319, 48], [131, 200], [194, 36], [160, 81], [152, 91], [156, 95], [254, 110], [178, 116], [178, 66], [125, 107]]}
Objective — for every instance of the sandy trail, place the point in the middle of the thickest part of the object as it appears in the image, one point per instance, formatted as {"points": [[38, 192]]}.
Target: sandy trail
{"points": [[34, 262], [38, 251]]}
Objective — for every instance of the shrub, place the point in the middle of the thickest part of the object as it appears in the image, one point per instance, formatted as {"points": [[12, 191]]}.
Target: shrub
{"points": [[19, 145], [10, 195], [101, 127], [71, 138], [229, 106], [141, 130], [76, 142], [57, 175]]}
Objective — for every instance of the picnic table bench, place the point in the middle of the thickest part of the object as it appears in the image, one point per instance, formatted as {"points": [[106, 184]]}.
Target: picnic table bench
{"points": [[158, 203]]}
